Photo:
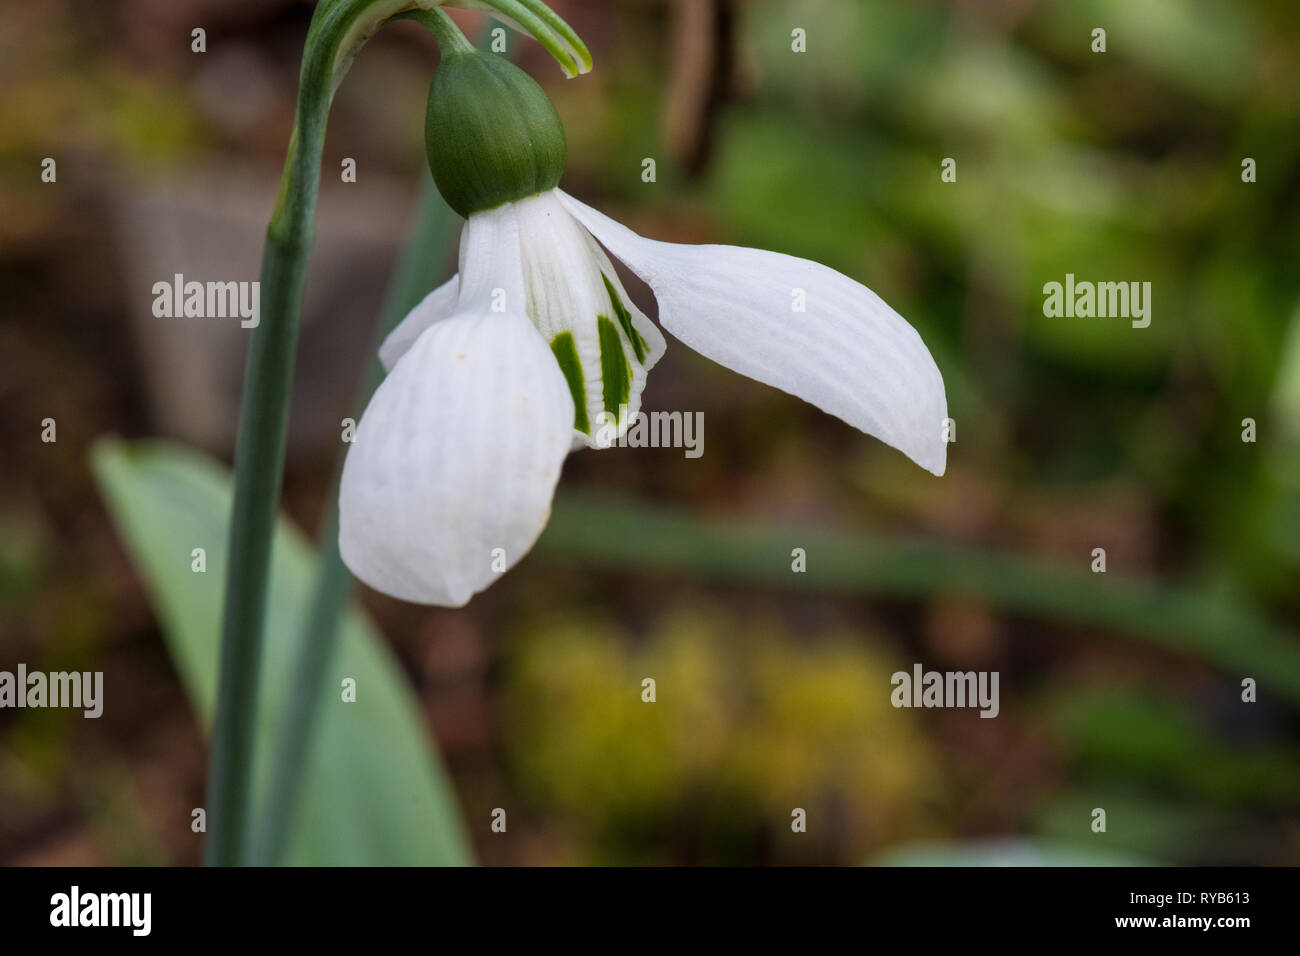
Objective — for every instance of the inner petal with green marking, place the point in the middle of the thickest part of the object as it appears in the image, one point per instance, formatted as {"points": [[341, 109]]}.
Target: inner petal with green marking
{"points": [[625, 321], [566, 353], [604, 345], [614, 370]]}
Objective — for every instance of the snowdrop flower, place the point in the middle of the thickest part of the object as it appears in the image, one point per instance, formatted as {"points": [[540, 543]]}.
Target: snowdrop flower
{"points": [[517, 360]]}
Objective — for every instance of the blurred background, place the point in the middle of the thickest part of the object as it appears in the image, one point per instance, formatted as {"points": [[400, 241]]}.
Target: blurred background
{"points": [[1120, 690]]}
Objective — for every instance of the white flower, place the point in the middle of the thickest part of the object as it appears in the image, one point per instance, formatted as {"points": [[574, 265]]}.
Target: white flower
{"points": [[498, 373]]}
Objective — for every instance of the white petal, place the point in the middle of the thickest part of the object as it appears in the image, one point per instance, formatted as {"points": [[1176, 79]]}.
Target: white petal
{"points": [[849, 353], [456, 456], [438, 304], [490, 242]]}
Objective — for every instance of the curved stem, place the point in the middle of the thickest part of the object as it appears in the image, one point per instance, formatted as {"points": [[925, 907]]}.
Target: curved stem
{"points": [[431, 235], [337, 29], [443, 28]]}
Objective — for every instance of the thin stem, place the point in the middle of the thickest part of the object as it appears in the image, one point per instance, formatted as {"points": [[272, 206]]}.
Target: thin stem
{"points": [[338, 29], [314, 654], [432, 232], [259, 464], [263, 424], [317, 642], [444, 30]]}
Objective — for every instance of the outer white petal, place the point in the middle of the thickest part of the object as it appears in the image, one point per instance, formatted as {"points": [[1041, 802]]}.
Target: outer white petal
{"points": [[457, 455], [438, 304], [459, 451], [489, 242], [849, 353]]}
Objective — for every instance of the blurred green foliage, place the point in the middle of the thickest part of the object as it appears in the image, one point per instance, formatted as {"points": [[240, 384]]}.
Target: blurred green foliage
{"points": [[1123, 165], [744, 728]]}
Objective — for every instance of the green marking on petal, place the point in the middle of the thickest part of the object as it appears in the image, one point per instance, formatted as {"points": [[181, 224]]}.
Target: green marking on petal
{"points": [[625, 320], [566, 353], [614, 370]]}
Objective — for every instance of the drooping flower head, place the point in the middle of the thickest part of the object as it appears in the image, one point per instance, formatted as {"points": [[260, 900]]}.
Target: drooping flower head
{"points": [[523, 355]]}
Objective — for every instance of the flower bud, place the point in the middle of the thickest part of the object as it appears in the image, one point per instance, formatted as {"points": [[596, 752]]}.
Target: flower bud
{"points": [[491, 134]]}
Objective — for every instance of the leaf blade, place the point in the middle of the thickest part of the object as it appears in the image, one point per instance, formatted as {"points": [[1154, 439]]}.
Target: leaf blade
{"points": [[375, 792]]}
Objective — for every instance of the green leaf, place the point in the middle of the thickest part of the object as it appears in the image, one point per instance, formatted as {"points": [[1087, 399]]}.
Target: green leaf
{"points": [[375, 793], [612, 533]]}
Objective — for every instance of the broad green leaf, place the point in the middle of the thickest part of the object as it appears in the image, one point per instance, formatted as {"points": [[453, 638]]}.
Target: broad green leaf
{"points": [[375, 792]]}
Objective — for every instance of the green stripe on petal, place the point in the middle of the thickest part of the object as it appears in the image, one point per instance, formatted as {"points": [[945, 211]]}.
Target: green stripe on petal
{"points": [[614, 369], [625, 320], [566, 353]]}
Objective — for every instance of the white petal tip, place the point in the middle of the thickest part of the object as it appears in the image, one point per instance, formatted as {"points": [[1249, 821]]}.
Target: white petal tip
{"points": [[932, 457], [399, 589]]}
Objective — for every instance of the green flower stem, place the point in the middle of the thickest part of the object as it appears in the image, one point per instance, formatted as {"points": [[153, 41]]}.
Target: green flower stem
{"points": [[259, 464], [444, 30], [338, 29], [431, 236]]}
